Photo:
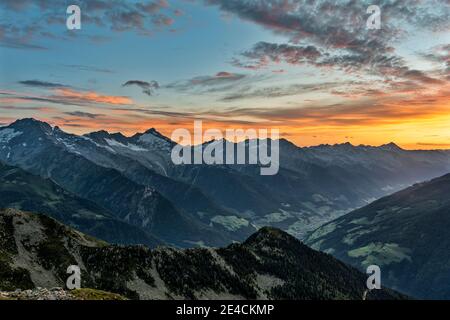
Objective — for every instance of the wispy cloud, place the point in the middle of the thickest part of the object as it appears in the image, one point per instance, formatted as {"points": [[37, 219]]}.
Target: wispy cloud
{"points": [[219, 79], [264, 53], [67, 96], [20, 37], [328, 34], [282, 91], [144, 18], [148, 88], [81, 97], [42, 84], [380, 108], [82, 114], [434, 145], [441, 56], [80, 67], [25, 108]]}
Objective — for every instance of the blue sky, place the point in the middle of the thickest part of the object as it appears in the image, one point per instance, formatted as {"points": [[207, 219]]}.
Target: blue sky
{"points": [[312, 70]]}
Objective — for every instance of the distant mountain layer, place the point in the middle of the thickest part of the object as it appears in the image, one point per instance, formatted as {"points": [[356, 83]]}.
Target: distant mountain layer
{"points": [[314, 185], [38, 148], [36, 250], [135, 179], [22, 190], [406, 234]]}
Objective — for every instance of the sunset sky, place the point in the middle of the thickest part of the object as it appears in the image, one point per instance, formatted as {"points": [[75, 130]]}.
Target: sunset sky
{"points": [[310, 68]]}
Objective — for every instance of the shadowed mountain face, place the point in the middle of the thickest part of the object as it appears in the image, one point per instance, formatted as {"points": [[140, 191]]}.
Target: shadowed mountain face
{"points": [[36, 250], [406, 234], [25, 191]]}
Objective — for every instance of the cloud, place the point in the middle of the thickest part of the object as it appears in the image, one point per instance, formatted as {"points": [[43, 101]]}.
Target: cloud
{"points": [[433, 145], [386, 66], [17, 44], [264, 53], [16, 5], [84, 114], [79, 97], [336, 23], [88, 68], [186, 117], [19, 37], [441, 56], [163, 113], [222, 78], [67, 96], [328, 33], [282, 91], [42, 84], [142, 17], [153, 7], [219, 78], [148, 88], [379, 109], [17, 108]]}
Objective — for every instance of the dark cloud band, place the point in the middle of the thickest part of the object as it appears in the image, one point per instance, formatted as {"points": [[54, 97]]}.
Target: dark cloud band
{"points": [[148, 88]]}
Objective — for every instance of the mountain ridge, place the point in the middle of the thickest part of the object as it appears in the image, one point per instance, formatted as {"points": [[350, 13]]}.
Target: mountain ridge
{"points": [[252, 270], [154, 131]]}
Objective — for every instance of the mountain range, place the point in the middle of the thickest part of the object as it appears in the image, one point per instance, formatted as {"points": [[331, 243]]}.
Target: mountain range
{"points": [[36, 250], [167, 218], [40, 150], [134, 179]]}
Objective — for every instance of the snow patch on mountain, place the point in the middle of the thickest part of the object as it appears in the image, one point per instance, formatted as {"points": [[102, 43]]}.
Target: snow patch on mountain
{"points": [[99, 145], [133, 147], [7, 135], [70, 146], [154, 141]]}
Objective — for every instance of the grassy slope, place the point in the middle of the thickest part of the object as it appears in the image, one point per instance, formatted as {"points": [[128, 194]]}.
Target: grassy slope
{"points": [[405, 233]]}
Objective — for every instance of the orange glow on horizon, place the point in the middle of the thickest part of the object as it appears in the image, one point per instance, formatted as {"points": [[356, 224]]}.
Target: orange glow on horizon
{"points": [[420, 121], [424, 134]]}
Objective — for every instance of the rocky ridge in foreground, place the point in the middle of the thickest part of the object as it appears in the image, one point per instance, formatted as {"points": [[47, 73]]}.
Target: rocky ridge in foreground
{"points": [[36, 250]]}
